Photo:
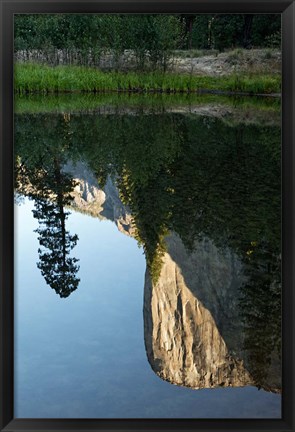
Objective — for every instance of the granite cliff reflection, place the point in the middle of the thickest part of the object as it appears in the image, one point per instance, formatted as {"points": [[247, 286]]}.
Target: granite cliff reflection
{"points": [[203, 200], [196, 332]]}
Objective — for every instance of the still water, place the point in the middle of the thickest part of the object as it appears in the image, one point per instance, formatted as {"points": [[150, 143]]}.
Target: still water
{"points": [[147, 266]]}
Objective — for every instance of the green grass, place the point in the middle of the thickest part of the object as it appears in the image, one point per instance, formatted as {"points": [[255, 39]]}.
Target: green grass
{"points": [[35, 78]]}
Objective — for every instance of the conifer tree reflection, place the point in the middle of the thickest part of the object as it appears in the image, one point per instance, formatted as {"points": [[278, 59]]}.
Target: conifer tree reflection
{"points": [[39, 175], [57, 267]]}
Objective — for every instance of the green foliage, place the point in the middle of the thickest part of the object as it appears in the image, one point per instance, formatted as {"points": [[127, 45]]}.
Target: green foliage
{"points": [[274, 40], [264, 26], [223, 31], [30, 78], [226, 31], [152, 38], [201, 32]]}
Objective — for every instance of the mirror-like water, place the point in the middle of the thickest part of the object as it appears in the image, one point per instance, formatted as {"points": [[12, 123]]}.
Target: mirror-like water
{"points": [[147, 246]]}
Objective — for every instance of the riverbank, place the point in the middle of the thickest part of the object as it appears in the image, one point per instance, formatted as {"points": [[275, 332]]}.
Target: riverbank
{"points": [[40, 78]]}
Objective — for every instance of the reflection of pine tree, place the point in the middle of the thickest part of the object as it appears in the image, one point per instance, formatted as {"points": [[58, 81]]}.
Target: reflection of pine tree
{"points": [[39, 175], [53, 194]]}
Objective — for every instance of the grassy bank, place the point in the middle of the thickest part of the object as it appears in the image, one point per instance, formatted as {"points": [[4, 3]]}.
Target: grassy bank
{"points": [[31, 78]]}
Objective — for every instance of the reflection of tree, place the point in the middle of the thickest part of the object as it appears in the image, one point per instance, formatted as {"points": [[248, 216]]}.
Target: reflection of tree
{"points": [[39, 175], [146, 207], [57, 267]]}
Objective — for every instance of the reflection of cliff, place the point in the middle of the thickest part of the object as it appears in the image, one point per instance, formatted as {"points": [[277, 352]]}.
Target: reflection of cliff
{"points": [[193, 329], [196, 332], [103, 203]]}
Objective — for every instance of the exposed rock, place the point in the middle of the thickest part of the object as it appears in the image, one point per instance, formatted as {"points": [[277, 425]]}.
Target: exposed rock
{"points": [[104, 203], [183, 342], [87, 195], [115, 210], [192, 324]]}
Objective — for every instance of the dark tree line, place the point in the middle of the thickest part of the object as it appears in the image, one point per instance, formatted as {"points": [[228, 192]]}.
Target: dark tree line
{"points": [[153, 35]]}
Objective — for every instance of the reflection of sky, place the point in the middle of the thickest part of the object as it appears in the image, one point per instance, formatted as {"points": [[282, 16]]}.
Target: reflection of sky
{"points": [[84, 356]]}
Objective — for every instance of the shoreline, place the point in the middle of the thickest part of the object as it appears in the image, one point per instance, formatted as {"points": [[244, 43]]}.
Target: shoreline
{"points": [[31, 78]]}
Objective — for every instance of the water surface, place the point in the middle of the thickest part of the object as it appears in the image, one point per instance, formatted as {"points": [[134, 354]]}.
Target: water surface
{"points": [[147, 254]]}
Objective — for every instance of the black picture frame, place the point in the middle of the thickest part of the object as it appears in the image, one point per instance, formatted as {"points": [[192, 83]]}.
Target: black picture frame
{"points": [[10, 7]]}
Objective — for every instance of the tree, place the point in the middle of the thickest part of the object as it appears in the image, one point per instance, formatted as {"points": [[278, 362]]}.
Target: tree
{"points": [[188, 20], [247, 30]]}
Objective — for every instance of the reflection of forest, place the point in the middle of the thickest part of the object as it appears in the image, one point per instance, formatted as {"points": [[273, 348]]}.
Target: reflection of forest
{"points": [[194, 176]]}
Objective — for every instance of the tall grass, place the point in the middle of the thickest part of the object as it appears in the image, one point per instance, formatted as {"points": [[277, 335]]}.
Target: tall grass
{"points": [[33, 78]]}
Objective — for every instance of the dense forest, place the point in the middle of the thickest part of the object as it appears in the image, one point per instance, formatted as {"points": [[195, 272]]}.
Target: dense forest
{"points": [[153, 35]]}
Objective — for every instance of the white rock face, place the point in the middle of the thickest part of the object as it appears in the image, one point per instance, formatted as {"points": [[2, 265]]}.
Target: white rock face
{"points": [[87, 195], [103, 203], [184, 344]]}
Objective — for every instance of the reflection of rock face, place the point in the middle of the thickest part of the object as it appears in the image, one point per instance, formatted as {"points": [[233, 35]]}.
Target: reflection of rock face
{"points": [[183, 342], [103, 203], [192, 321], [192, 324], [87, 195]]}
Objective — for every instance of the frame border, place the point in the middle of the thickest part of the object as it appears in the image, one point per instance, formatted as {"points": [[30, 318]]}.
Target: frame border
{"points": [[7, 10]]}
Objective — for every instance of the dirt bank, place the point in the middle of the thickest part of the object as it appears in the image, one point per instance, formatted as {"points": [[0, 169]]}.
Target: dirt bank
{"points": [[219, 64]]}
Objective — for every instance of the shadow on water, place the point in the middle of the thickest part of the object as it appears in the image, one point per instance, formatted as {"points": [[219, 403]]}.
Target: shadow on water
{"points": [[204, 202]]}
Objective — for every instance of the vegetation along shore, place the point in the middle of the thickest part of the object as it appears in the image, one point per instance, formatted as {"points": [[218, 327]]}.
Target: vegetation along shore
{"points": [[148, 54]]}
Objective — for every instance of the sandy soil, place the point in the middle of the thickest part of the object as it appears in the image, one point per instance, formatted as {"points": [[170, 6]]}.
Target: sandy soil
{"points": [[254, 60]]}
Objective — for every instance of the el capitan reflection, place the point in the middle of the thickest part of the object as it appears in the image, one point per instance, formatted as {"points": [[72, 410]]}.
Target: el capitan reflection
{"points": [[202, 197], [198, 333]]}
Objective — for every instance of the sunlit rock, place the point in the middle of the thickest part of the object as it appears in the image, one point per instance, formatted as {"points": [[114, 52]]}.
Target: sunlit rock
{"points": [[193, 330], [184, 345], [103, 203]]}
